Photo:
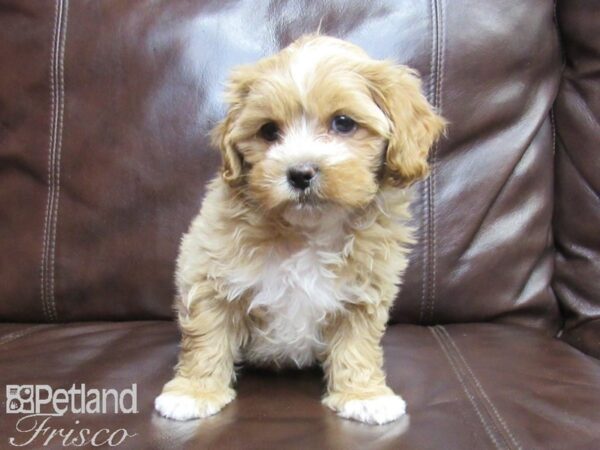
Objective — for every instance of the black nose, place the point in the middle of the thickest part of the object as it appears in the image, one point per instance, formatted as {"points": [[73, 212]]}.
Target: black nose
{"points": [[301, 176]]}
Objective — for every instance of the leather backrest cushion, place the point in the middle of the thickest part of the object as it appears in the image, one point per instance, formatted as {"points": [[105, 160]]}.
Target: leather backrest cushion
{"points": [[577, 210], [104, 113]]}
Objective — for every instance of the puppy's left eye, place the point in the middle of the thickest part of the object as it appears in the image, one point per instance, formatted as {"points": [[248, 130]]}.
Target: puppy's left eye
{"points": [[343, 124]]}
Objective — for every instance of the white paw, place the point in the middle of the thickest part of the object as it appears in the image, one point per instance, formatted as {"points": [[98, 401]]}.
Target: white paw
{"points": [[184, 407], [378, 410]]}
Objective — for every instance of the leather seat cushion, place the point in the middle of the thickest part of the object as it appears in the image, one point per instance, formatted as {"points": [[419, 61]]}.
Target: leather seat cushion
{"points": [[467, 386]]}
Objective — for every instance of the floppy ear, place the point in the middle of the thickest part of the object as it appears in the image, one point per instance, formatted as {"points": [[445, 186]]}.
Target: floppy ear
{"points": [[414, 125], [236, 90]]}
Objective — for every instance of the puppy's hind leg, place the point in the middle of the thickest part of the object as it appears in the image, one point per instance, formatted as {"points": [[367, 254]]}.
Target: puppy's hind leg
{"points": [[356, 387], [205, 371]]}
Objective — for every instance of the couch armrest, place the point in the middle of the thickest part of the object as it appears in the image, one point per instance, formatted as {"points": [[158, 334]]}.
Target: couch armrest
{"points": [[577, 190]]}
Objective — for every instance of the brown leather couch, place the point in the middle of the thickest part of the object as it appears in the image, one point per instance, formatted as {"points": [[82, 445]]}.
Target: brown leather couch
{"points": [[104, 112]]}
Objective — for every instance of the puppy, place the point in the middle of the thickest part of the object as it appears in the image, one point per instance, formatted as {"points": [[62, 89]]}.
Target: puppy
{"points": [[297, 253]]}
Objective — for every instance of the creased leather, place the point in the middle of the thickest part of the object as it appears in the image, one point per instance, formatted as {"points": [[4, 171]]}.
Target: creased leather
{"points": [[577, 197]]}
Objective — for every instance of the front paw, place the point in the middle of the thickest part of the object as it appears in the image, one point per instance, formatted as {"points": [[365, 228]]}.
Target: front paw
{"points": [[187, 405], [374, 410]]}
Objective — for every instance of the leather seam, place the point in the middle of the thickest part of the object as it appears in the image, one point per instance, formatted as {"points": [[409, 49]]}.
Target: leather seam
{"points": [[472, 397], [553, 125], [474, 432], [438, 104], [424, 258], [492, 410], [426, 238], [428, 287], [57, 94], [431, 178], [10, 337], [425, 194], [50, 172], [60, 135]]}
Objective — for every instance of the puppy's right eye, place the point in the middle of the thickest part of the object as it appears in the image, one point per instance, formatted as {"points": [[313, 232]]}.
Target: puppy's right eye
{"points": [[269, 131]]}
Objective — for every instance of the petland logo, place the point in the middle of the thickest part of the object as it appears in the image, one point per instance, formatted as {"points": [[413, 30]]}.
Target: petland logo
{"points": [[41, 403]]}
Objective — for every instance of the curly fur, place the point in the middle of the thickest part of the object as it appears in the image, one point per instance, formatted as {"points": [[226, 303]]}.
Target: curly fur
{"points": [[275, 277]]}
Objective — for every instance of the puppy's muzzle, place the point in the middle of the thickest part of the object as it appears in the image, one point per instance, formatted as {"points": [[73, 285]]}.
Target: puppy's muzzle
{"points": [[302, 176]]}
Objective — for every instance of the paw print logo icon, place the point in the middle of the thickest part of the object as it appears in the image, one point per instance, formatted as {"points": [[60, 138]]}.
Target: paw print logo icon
{"points": [[19, 399]]}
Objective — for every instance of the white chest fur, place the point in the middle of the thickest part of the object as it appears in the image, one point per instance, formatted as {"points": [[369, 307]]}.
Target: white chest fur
{"points": [[293, 293]]}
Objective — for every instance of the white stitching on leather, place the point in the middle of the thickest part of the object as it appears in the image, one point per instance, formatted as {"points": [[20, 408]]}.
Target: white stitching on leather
{"points": [[55, 130], [43, 275], [55, 167], [431, 90], [54, 155], [10, 337], [428, 286], [466, 390], [425, 256], [61, 66], [480, 388], [438, 99]]}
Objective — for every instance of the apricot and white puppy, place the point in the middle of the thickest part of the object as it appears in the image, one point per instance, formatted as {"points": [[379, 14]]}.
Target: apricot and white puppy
{"points": [[298, 250]]}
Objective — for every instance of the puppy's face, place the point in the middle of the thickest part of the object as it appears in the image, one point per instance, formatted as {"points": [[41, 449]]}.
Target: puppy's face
{"points": [[320, 123]]}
